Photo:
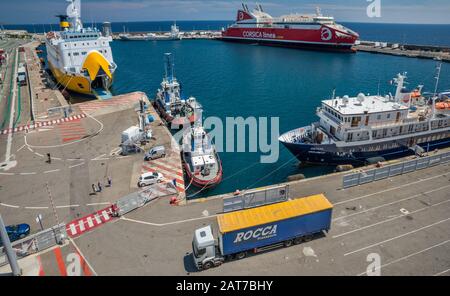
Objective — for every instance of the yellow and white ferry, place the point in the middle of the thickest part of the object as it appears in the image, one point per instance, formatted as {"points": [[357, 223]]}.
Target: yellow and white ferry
{"points": [[80, 58]]}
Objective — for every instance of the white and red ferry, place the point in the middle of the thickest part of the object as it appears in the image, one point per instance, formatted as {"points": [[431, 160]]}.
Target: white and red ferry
{"points": [[293, 30]]}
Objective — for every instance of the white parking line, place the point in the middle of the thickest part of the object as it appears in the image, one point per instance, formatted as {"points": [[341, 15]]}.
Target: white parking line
{"points": [[396, 237], [387, 190], [391, 203], [168, 223], [7, 174], [36, 208], [21, 148], [409, 256], [38, 154], [442, 272], [32, 173], [9, 206], [68, 206], [76, 165], [390, 219], [52, 171], [98, 203]]}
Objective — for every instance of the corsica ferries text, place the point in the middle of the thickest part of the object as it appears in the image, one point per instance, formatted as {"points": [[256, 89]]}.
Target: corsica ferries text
{"points": [[257, 34], [256, 234]]}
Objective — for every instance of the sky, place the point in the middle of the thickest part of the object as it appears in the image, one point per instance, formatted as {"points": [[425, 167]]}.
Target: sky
{"points": [[392, 11]]}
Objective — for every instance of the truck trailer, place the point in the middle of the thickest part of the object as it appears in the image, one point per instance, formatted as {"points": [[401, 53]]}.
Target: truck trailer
{"points": [[260, 229]]}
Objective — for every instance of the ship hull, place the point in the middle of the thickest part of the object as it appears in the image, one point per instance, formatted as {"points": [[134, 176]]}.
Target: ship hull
{"points": [[75, 83], [323, 154], [294, 45], [315, 38]]}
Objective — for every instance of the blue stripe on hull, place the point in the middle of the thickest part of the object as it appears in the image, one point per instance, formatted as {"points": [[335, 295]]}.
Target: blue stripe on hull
{"points": [[304, 153]]}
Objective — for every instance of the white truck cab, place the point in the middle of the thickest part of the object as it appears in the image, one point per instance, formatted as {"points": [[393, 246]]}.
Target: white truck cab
{"points": [[204, 249]]}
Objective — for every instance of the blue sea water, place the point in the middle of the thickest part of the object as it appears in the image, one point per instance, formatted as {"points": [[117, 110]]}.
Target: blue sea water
{"points": [[232, 80]]}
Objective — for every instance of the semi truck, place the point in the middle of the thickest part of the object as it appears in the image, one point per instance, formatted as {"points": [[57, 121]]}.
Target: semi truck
{"points": [[260, 229]]}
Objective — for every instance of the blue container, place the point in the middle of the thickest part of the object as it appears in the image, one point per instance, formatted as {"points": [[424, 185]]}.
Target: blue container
{"points": [[150, 118], [272, 233]]}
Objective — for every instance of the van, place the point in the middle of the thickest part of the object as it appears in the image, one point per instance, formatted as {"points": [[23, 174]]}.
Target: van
{"points": [[155, 152]]}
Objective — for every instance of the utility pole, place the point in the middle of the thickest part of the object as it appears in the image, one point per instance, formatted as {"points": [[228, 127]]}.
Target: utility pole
{"points": [[9, 250]]}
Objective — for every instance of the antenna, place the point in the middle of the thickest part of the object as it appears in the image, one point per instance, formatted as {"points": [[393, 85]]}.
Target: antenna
{"points": [[378, 91], [243, 6], [168, 67], [438, 75]]}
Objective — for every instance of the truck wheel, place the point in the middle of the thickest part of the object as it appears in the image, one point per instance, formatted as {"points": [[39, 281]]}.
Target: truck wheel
{"points": [[307, 238], [288, 243], [208, 265], [298, 241], [241, 255]]}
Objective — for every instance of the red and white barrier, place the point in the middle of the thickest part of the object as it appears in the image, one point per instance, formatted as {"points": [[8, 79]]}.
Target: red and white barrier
{"points": [[41, 124]]}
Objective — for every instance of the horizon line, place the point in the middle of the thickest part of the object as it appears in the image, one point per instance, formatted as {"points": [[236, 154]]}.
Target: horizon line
{"points": [[186, 20]]}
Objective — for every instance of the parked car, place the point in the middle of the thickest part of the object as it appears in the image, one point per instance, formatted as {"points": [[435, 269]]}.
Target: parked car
{"points": [[18, 231], [150, 179], [155, 152]]}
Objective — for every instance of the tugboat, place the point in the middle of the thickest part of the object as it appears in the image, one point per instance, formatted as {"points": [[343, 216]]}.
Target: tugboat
{"points": [[360, 129], [201, 162], [169, 102]]}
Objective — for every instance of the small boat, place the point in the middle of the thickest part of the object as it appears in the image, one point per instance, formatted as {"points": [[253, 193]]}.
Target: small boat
{"points": [[169, 102], [174, 34], [201, 162]]}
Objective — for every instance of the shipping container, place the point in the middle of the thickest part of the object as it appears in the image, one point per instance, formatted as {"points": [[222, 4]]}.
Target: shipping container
{"points": [[261, 228], [266, 225]]}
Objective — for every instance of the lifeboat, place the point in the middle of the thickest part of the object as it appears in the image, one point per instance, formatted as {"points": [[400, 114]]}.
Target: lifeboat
{"points": [[443, 105]]}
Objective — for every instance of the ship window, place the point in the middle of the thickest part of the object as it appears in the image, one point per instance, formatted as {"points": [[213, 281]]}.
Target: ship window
{"points": [[378, 116], [388, 115], [84, 53], [76, 54]]}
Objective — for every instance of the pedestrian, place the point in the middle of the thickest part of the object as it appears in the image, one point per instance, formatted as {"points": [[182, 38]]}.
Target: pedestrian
{"points": [[99, 186], [109, 182], [174, 181], [94, 188], [49, 158]]}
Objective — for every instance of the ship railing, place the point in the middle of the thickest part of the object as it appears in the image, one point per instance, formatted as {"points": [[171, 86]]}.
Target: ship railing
{"points": [[297, 135], [321, 112]]}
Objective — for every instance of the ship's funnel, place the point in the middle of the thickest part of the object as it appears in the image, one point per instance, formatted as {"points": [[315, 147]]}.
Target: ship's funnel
{"points": [[63, 22]]}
